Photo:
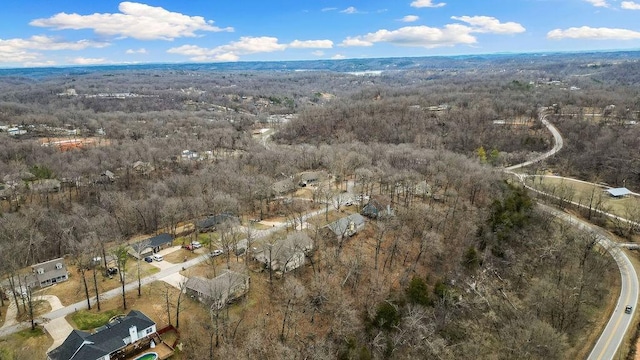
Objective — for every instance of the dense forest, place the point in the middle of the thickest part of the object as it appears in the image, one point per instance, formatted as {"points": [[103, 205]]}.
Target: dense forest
{"points": [[466, 268]]}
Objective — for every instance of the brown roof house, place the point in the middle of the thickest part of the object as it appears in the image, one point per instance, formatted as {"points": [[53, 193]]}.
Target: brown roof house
{"points": [[48, 273], [286, 254], [219, 291]]}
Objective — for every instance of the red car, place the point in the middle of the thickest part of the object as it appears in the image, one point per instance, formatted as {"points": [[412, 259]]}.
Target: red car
{"points": [[188, 247]]}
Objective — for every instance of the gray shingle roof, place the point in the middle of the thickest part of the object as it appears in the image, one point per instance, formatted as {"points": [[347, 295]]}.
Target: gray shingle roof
{"points": [[341, 226], [103, 342]]}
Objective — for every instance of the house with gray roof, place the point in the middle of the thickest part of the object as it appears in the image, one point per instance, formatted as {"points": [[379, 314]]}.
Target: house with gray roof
{"points": [[219, 291], [286, 254], [283, 187], [150, 246], [379, 206], [107, 342], [210, 223], [345, 227], [48, 273]]}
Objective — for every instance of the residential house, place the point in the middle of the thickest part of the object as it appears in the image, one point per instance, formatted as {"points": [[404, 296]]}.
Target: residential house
{"points": [[345, 227], [153, 245], [219, 291], [47, 273], [286, 254], [310, 178], [107, 342], [378, 206], [283, 187], [210, 223]]}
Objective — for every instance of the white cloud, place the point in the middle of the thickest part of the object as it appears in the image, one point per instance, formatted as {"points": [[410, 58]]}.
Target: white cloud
{"points": [[598, 3], [586, 32], [135, 20], [246, 46], [356, 41], [427, 4], [138, 51], [39, 63], [410, 18], [630, 5], [314, 44], [418, 36], [329, 9], [21, 50], [338, 57], [318, 53], [487, 24], [350, 10], [430, 37], [88, 61]]}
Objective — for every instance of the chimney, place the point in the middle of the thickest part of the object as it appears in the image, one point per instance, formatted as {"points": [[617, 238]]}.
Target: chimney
{"points": [[133, 333]]}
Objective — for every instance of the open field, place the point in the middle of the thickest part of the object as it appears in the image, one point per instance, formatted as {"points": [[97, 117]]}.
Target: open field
{"points": [[582, 193]]}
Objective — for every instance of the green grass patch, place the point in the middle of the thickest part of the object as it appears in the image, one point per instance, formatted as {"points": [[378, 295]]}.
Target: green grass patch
{"points": [[26, 334], [86, 320]]}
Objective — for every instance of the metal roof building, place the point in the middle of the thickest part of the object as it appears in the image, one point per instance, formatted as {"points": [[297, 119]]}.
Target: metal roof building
{"points": [[619, 192]]}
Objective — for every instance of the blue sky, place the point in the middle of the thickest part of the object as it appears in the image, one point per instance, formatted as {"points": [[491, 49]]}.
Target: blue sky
{"points": [[80, 32]]}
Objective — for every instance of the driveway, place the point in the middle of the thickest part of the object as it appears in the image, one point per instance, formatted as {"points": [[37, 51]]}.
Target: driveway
{"points": [[10, 316], [164, 264], [59, 329], [176, 280]]}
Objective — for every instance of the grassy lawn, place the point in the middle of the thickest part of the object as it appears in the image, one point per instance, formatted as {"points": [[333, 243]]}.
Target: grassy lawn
{"points": [[582, 193], [180, 255], [88, 320], [25, 344], [320, 220], [72, 291]]}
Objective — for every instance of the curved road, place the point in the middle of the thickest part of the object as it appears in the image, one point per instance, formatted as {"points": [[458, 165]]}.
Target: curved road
{"points": [[558, 144], [613, 334]]}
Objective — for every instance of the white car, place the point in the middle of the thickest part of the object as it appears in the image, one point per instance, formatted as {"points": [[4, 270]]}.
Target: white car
{"points": [[157, 257], [196, 244], [216, 252]]}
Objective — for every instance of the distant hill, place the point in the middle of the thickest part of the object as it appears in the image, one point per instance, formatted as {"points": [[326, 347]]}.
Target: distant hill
{"points": [[346, 65]]}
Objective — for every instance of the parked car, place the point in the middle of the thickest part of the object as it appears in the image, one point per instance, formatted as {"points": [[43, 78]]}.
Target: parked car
{"points": [[112, 271], [188, 247], [157, 257], [628, 309], [196, 245], [148, 259], [216, 252]]}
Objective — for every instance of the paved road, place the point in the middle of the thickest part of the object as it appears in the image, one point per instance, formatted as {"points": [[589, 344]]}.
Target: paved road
{"points": [[559, 143], [612, 336], [166, 271]]}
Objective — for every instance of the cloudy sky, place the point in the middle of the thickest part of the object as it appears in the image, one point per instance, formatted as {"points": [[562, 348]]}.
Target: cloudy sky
{"points": [[81, 32]]}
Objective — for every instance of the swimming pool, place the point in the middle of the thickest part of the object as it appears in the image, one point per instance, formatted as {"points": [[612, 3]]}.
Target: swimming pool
{"points": [[147, 356]]}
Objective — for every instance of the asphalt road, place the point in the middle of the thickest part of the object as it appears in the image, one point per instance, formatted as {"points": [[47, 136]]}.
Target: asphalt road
{"points": [[613, 334], [558, 144], [607, 345]]}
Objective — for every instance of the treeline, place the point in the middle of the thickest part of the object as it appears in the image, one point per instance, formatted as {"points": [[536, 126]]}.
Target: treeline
{"points": [[467, 268]]}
